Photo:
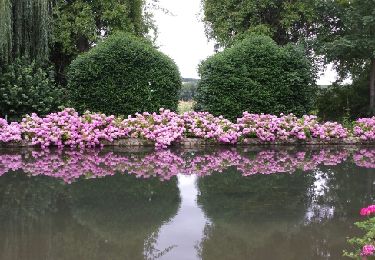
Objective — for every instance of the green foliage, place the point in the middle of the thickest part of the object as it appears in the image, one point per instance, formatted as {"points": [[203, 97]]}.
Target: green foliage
{"points": [[258, 76], [187, 92], [79, 25], [284, 21], [26, 87], [351, 46], [343, 101], [358, 242], [124, 75], [25, 29]]}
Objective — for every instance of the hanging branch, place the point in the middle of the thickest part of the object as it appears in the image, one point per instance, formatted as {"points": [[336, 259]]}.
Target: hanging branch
{"points": [[26, 26]]}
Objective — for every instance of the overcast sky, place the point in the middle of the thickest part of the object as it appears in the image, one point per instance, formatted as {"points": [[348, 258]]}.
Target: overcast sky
{"points": [[182, 37]]}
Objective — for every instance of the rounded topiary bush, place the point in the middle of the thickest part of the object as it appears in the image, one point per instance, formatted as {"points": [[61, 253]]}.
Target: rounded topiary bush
{"points": [[258, 76], [123, 75]]}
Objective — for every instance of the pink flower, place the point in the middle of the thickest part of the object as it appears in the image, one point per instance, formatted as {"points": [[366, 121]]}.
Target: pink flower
{"points": [[367, 211], [368, 250]]}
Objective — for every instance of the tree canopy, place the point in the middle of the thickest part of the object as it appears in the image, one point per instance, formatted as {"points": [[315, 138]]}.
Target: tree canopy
{"points": [[79, 25], [58, 30], [352, 47], [284, 21]]}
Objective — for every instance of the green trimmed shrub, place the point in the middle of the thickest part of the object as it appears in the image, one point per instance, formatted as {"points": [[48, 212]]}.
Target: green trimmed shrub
{"points": [[123, 75], [258, 76], [26, 87]]}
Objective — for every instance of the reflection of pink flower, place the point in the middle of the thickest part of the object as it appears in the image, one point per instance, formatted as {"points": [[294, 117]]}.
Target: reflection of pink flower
{"points": [[368, 250], [365, 158], [368, 211], [70, 165]]}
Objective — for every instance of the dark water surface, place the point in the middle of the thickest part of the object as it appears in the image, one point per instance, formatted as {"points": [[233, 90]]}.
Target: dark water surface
{"points": [[256, 203]]}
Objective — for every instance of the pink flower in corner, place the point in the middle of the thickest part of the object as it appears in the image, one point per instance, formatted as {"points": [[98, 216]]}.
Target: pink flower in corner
{"points": [[368, 250], [368, 211]]}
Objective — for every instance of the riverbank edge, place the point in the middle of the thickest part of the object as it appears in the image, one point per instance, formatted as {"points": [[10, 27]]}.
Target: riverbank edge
{"points": [[199, 142]]}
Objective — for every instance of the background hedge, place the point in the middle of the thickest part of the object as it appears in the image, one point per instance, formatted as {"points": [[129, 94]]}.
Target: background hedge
{"points": [[258, 76], [123, 75]]}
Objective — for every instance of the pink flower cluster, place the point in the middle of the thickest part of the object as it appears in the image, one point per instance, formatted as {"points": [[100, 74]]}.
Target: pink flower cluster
{"points": [[368, 210], [206, 126], [271, 128], [368, 250], [365, 128], [163, 128], [68, 128], [9, 132]]}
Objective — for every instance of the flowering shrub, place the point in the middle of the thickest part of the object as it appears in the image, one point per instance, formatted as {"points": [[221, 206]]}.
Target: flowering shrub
{"points": [[163, 128], [329, 130], [204, 125], [365, 128], [9, 132], [68, 128], [365, 246], [270, 128]]}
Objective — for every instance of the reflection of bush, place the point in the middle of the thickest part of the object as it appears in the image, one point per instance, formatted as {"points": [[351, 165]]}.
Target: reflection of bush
{"points": [[266, 217], [232, 196], [251, 212], [123, 210], [29, 213], [22, 197], [107, 218]]}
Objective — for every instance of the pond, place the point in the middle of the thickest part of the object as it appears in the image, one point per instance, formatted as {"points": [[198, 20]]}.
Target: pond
{"points": [[218, 203]]}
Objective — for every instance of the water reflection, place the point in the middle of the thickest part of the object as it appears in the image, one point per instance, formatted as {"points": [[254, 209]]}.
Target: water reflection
{"points": [[110, 218], [185, 232], [70, 165], [182, 204], [306, 215]]}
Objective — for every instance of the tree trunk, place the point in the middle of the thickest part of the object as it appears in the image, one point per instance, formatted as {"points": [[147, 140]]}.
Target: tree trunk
{"points": [[372, 88]]}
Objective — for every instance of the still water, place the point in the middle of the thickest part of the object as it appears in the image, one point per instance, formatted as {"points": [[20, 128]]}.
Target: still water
{"points": [[254, 203]]}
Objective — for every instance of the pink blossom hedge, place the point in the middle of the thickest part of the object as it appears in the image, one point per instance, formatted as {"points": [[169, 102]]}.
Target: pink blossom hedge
{"points": [[68, 128]]}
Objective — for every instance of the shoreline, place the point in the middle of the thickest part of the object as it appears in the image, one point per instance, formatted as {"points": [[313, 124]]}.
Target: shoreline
{"points": [[188, 142]]}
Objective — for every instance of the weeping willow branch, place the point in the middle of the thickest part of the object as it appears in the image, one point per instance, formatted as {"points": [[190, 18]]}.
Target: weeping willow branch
{"points": [[25, 29]]}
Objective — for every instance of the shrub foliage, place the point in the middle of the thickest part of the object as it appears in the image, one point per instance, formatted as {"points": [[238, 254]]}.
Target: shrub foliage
{"points": [[124, 75], [25, 87], [258, 76]]}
